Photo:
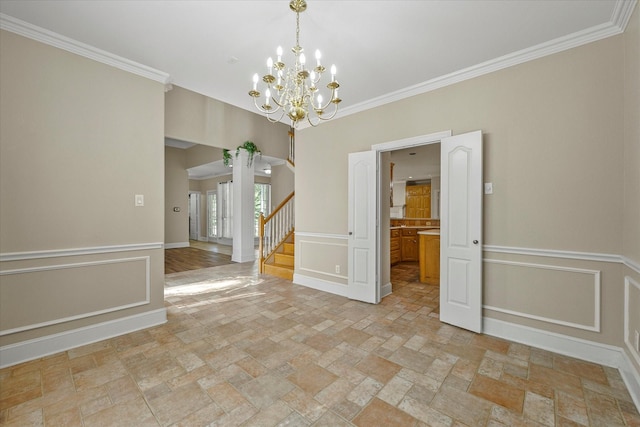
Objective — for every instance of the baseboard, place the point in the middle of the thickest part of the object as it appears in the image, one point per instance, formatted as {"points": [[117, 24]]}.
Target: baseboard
{"points": [[176, 245], [320, 284], [385, 290], [590, 351], [36, 348]]}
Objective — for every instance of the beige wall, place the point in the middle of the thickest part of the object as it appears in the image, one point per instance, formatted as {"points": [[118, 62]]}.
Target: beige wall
{"points": [[196, 118], [553, 133], [282, 184], [201, 155], [176, 194], [79, 139]]}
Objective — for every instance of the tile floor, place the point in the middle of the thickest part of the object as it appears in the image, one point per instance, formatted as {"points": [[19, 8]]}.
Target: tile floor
{"points": [[241, 349]]}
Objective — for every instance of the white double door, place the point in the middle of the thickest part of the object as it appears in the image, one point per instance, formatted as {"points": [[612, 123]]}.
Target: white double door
{"points": [[460, 229]]}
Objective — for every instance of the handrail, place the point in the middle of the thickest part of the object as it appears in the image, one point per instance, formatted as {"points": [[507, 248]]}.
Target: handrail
{"points": [[275, 228], [279, 207]]}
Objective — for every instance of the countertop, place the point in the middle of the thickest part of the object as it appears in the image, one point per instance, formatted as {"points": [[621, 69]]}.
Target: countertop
{"points": [[415, 226], [434, 232]]}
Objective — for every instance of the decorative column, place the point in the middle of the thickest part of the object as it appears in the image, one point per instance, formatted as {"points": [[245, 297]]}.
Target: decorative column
{"points": [[243, 209]]}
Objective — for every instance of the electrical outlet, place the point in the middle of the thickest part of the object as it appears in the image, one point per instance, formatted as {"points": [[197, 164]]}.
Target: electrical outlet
{"points": [[637, 341], [488, 188], [139, 200], [338, 268]]}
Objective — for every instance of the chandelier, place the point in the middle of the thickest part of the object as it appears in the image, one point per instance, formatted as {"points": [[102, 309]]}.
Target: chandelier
{"points": [[294, 90]]}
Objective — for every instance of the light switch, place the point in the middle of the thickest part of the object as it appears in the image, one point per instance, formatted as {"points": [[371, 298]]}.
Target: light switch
{"points": [[139, 200], [488, 188]]}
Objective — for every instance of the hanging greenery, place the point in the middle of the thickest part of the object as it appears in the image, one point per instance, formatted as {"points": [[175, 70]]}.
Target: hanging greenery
{"points": [[226, 157], [251, 148]]}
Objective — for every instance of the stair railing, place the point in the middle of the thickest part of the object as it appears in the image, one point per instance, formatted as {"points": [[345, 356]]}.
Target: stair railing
{"points": [[275, 228]]}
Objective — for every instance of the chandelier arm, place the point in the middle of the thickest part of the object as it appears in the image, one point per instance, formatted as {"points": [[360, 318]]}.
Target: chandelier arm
{"points": [[268, 116], [267, 112]]}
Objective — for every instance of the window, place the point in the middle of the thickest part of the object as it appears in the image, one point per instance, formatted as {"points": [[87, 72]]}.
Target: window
{"points": [[212, 214], [262, 203], [225, 190]]}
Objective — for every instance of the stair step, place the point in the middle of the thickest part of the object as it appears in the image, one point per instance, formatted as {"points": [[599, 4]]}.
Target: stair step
{"points": [[284, 259], [282, 271], [289, 248]]}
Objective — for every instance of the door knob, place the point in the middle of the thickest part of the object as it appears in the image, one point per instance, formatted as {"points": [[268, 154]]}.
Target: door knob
{"points": [[475, 242], [350, 233]]}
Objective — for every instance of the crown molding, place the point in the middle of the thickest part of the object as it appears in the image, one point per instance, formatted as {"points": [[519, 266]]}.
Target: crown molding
{"points": [[622, 12], [50, 38]]}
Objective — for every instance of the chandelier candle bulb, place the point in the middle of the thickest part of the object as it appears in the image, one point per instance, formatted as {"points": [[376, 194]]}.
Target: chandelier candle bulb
{"points": [[333, 73], [318, 56], [270, 65], [255, 81], [279, 53], [319, 102], [267, 95]]}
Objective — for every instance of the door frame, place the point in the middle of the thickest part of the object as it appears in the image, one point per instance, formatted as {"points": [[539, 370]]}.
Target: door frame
{"points": [[432, 138], [197, 213]]}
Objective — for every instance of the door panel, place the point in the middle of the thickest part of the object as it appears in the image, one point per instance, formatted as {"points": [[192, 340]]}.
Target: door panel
{"points": [[461, 231], [362, 243]]}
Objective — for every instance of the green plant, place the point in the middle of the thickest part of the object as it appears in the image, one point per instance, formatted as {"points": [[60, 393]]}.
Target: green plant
{"points": [[226, 157], [251, 148]]}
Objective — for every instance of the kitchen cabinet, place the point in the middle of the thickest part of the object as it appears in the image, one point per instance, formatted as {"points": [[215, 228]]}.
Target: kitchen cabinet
{"points": [[409, 248], [395, 244], [418, 201], [430, 257]]}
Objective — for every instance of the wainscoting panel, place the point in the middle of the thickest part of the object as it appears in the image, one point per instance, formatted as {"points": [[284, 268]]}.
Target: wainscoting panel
{"points": [[34, 297], [556, 294], [632, 316], [319, 258]]}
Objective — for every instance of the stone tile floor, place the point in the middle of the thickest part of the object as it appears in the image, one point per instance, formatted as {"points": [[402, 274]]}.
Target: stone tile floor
{"points": [[244, 349]]}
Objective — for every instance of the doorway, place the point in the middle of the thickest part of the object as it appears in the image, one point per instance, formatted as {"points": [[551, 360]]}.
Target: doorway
{"points": [[460, 224], [194, 215], [414, 210]]}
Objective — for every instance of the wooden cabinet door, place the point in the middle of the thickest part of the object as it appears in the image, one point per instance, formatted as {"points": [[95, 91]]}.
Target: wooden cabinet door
{"points": [[418, 201], [430, 259], [409, 248]]}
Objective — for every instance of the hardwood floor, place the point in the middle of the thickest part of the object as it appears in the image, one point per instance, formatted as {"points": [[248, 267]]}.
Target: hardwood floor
{"points": [[193, 258]]}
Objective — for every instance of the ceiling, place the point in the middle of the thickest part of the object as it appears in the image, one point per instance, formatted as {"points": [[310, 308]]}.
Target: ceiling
{"points": [[416, 163], [383, 50]]}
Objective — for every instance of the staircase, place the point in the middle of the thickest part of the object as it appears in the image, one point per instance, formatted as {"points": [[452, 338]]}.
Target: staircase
{"points": [[282, 261], [276, 231], [276, 240]]}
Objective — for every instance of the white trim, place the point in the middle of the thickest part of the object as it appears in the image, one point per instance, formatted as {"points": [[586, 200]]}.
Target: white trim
{"points": [[628, 282], [55, 253], [631, 264], [176, 245], [321, 235], [622, 11], [590, 351], [620, 18], [586, 256], [50, 38], [385, 290], [320, 285], [146, 300], [552, 253], [411, 142], [596, 295], [36, 348]]}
